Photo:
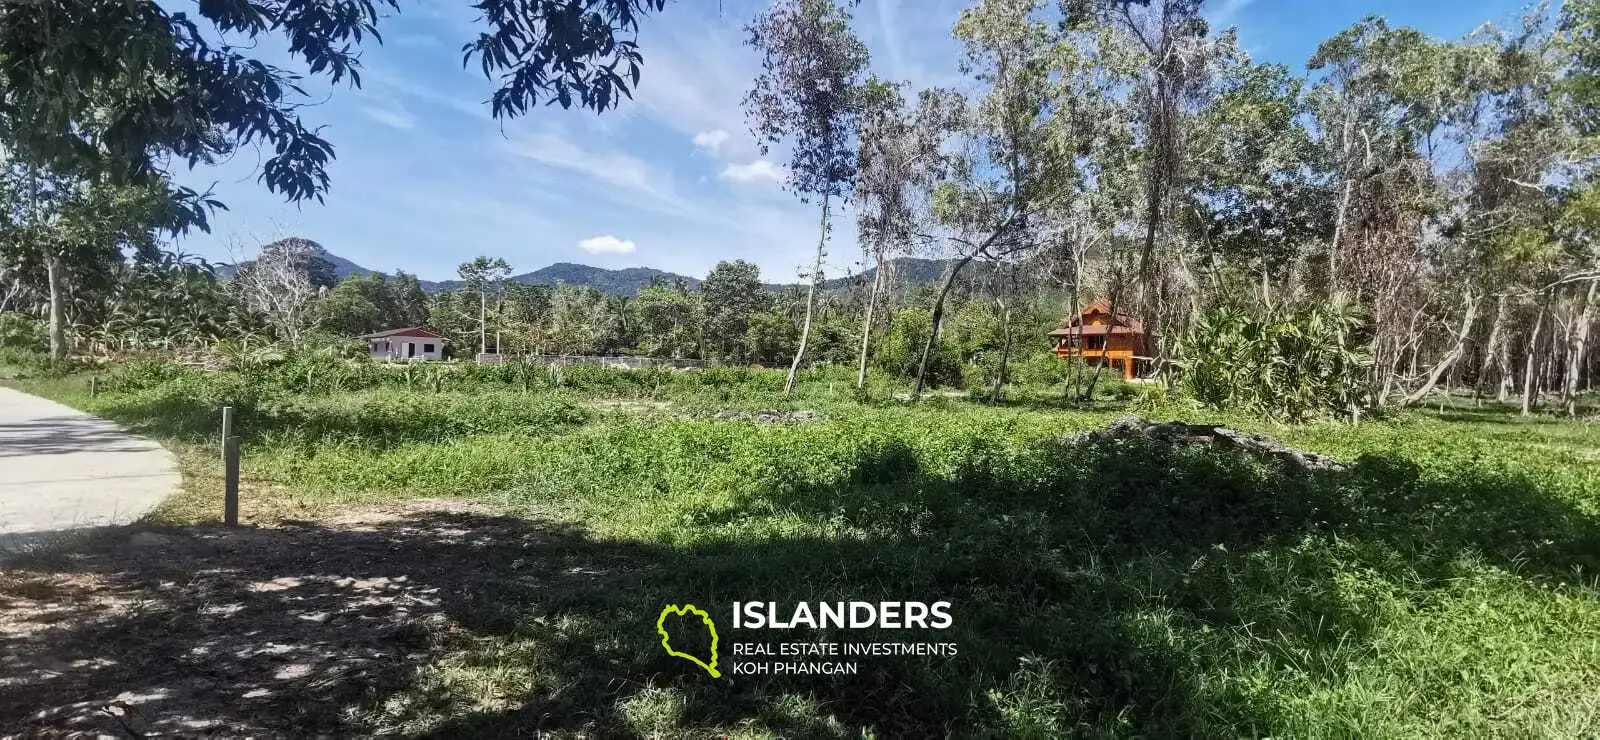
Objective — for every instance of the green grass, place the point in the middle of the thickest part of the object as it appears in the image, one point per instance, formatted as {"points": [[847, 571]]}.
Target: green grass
{"points": [[1445, 583]]}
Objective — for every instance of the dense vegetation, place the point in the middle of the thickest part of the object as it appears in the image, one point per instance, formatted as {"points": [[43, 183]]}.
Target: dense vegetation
{"points": [[1408, 220], [1432, 199], [1442, 584]]}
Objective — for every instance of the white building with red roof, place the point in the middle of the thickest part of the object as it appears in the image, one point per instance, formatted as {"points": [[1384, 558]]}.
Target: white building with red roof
{"points": [[413, 344]]}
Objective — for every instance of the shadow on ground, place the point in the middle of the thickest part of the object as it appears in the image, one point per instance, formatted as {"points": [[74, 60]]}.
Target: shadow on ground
{"points": [[60, 435], [1096, 590]]}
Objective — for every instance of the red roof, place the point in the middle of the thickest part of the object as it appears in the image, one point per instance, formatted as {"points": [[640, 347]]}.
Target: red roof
{"points": [[414, 331], [1122, 324], [1094, 331]]}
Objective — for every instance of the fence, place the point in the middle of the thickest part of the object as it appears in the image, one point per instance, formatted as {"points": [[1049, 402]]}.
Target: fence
{"points": [[634, 363]]}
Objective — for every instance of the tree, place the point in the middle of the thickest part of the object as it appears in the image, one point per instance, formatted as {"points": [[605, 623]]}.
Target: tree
{"points": [[581, 319], [1259, 196], [483, 277], [281, 286], [354, 306], [525, 316], [163, 302], [731, 294], [1173, 36], [769, 337], [69, 226], [669, 321], [899, 161], [408, 303], [1010, 169], [125, 87], [809, 94], [366, 303]]}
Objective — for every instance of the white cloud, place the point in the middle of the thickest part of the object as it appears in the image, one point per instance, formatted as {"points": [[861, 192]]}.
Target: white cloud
{"points": [[608, 166], [379, 79], [624, 173], [607, 244], [696, 80], [1222, 14], [754, 172], [711, 140], [888, 10], [391, 117]]}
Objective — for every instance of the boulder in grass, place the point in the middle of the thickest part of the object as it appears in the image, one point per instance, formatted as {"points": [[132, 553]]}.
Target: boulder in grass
{"points": [[1177, 432]]}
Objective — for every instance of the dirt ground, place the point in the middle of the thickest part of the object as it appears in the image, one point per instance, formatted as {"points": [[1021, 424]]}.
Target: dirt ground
{"points": [[210, 631]]}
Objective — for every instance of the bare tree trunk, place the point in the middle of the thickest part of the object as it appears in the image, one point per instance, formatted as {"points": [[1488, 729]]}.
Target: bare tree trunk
{"points": [[1491, 349], [1503, 363], [938, 315], [1077, 291], [1580, 348], [1391, 369], [1344, 206], [811, 303], [1530, 379], [1450, 358], [866, 323], [1148, 255], [1005, 350], [58, 326], [483, 323], [12, 292], [1338, 233]]}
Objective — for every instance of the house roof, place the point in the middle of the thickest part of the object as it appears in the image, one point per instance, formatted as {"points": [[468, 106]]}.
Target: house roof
{"points": [[1121, 324], [1095, 331], [413, 331]]}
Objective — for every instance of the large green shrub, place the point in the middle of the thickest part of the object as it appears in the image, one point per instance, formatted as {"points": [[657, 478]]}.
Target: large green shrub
{"points": [[21, 331], [1041, 370], [1292, 364], [900, 352]]}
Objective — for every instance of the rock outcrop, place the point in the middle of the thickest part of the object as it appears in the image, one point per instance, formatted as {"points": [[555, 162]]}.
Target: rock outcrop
{"points": [[1176, 432]]}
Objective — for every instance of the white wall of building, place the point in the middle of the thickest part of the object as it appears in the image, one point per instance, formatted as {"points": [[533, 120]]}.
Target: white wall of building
{"points": [[406, 348]]}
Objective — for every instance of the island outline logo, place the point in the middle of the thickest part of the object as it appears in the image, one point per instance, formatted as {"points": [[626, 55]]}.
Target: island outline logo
{"points": [[685, 610]]}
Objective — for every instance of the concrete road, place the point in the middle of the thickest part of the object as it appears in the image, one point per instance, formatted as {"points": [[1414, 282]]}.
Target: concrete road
{"points": [[62, 469]]}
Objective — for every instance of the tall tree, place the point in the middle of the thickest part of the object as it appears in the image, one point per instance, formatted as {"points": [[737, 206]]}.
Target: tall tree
{"points": [[900, 160], [1173, 36], [67, 226], [483, 277], [281, 285], [669, 321], [809, 95], [582, 320], [731, 294], [1011, 167]]}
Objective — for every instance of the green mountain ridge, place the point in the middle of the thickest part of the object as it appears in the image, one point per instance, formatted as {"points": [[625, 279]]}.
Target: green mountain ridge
{"points": [[628, 281]]}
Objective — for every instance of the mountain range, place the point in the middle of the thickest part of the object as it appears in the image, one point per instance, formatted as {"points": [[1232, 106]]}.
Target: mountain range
{"points": [[624, 282]]}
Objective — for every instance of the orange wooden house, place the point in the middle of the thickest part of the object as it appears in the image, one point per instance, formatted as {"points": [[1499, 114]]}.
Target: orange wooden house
{"points": [[1096, 335]]}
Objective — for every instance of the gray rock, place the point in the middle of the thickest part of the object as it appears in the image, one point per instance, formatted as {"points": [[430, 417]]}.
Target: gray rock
{"points": [[1176, 432]]}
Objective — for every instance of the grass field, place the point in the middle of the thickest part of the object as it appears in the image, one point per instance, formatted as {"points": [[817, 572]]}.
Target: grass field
{"points": [[1443, 583]]}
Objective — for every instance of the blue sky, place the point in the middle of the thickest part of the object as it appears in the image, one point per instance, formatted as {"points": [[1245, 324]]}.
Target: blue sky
{"points": [[425, 179]]}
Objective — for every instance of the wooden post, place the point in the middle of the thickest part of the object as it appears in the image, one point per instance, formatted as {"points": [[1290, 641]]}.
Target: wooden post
{"points": [[93, 385], [227, 429], [230, 470], [230, 484]]}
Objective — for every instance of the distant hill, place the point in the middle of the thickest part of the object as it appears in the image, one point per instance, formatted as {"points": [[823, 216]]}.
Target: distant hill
{"points": [[627, 281], [342, 268], [906, 271]]}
